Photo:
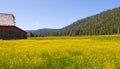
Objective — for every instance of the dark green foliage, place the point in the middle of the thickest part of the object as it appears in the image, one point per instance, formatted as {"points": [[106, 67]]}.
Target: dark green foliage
{"points": [[31, 34]]}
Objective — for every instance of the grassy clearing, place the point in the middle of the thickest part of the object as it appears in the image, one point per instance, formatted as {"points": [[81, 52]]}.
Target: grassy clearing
{"points": [[86, 52]]}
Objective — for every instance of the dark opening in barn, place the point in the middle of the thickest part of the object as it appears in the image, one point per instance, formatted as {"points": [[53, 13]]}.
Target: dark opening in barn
{"points": [[8, 30]]}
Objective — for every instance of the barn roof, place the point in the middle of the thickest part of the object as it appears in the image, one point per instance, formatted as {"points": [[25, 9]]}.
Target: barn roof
{"points": [[13, 27], [7, 19]]}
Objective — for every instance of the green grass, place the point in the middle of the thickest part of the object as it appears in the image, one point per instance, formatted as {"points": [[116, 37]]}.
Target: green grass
{"points": [[85, 52]]}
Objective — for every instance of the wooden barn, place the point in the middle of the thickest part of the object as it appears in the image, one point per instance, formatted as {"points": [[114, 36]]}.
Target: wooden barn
{"points": [[8, 30]]}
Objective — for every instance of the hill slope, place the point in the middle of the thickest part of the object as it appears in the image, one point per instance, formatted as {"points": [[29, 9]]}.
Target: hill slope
{"points": [[105, 23], [40, 32]]}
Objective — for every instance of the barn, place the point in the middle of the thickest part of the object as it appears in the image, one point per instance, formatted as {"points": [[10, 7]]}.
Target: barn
{"points": [[8, 30]]}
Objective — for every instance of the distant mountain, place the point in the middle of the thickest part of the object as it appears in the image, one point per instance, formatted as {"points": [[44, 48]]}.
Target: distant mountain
{"points": [[105, 23], [41, 31]]}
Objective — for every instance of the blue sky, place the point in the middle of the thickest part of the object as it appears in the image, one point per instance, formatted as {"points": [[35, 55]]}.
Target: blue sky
{"points": [[37, 14]]}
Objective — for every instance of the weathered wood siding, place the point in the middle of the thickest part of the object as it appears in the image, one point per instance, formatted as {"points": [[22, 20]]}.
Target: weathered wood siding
{"points": [[12, 32]]}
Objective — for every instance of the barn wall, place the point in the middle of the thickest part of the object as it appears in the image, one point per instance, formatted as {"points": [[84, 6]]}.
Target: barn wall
{"points": [[12, 32]]}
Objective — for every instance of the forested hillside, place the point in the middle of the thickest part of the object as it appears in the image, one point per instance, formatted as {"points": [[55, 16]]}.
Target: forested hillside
{"points": [[105, 23]]}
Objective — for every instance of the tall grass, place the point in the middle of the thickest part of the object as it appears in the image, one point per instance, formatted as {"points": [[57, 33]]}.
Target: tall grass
{"points": [[86, 52]]}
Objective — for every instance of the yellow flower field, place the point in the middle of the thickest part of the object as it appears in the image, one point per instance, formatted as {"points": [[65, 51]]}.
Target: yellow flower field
{"points": [[83, 52]]}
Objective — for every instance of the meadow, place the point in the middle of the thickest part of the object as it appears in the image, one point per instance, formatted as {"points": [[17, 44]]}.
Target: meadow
{"points": [[81, 52]]}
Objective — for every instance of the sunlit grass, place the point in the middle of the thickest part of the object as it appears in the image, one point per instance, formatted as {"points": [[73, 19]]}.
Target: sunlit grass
{"points": [[85, 52]]}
